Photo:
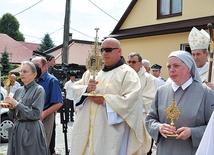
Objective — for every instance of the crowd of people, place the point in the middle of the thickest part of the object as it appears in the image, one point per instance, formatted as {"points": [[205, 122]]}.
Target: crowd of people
{"points": [[131, 109]]}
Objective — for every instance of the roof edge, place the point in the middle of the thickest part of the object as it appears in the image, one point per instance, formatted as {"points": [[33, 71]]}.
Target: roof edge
{"points": [[124, 16], [165, 28], [70, 41]]}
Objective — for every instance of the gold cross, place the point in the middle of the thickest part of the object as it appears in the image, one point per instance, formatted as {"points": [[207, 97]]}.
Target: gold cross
{"points": [[172, 112]]}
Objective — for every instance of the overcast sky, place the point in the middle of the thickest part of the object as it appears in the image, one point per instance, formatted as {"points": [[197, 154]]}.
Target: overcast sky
{"points": [[48, 17]]}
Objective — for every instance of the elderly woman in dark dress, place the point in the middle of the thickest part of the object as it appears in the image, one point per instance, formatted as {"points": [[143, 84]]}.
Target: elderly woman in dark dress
{"points": [[27, 136]]}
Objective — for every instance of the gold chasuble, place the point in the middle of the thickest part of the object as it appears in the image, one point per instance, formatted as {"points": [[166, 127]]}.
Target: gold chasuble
{"points": [[92, 134]]}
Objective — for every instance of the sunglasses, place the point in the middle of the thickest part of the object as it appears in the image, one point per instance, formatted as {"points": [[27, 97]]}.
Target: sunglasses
{"points": [[133, 62], [108, 49]]}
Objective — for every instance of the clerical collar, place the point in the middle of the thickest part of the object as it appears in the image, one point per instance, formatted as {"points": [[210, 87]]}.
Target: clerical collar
{"points": [[120, 63], [202, 68], [184, 86]]}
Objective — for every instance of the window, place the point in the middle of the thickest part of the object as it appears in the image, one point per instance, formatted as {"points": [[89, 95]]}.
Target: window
{"points": [[185, 47], [169, 8]]}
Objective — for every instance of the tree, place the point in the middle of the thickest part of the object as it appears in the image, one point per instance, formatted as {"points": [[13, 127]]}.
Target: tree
{"points": [[10, 26], [46, 43], [5, 62]]}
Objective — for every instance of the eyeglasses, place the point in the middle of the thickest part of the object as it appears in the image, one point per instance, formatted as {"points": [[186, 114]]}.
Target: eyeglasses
{"points": [[133, 62], [108, 49], [24, 71]]}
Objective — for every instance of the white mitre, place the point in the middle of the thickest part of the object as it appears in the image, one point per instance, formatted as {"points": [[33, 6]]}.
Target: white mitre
{"points": [[198, 39]]}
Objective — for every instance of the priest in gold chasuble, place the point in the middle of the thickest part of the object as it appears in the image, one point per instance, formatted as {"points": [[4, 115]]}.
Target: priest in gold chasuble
{"points": [[113, 123]]}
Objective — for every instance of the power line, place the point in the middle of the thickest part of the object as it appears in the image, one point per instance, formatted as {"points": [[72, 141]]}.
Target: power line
{"points": [[37, 38], [31, 36], [28, 8], [103, 11], [57, 30], [81, 33]]}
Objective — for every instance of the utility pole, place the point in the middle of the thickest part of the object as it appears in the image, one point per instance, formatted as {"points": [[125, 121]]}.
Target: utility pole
{"points": [[63, 113], [66, 33]]}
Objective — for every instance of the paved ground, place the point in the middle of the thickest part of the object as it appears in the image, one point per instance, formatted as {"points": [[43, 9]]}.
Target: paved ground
{"points": [[60, 142]]}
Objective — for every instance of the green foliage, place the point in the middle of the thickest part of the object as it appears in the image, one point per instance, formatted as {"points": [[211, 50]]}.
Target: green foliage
{"points": [[13, 66], [5, 62], [46, 43], [9, 25]]}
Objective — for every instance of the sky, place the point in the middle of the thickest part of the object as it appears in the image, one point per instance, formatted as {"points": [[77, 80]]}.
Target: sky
{"points": [[47, 16]]}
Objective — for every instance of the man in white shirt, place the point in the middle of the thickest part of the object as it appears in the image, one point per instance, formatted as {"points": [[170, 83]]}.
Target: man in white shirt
{"points": [[69, 95], [16, 84]]}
